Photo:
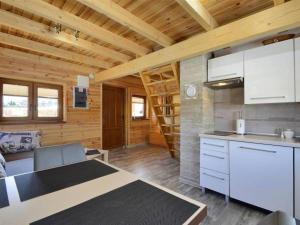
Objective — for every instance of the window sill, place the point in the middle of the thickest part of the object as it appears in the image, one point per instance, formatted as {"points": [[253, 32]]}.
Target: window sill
{"points": [[30, 122]]}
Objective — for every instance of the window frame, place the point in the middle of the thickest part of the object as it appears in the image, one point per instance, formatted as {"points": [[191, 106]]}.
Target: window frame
{"points": [[32, 103], [144, 117], [35, 102]]}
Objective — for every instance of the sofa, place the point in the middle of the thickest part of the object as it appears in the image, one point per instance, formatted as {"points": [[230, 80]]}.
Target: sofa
{"points": [[58, 155]]}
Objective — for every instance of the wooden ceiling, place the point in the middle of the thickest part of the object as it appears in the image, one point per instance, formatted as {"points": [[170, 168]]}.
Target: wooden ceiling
{"points": [[28, 26]]}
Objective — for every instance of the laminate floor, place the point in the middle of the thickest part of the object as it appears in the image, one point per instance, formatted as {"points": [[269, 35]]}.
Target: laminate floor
{"points": [[156, 165]]}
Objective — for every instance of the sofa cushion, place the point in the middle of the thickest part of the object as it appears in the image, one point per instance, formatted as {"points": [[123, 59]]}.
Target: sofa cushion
{"points": [[73, 153], [47, 157], [2, 171], [2, 160], [12, 142]]}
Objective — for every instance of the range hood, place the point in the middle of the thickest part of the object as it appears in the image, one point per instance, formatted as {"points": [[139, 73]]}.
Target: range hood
{"points": [[224, 84]]}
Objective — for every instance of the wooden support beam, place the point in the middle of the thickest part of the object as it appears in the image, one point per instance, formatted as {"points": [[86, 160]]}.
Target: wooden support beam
{"points": [[46, 10], [126, 18], [278, 2], [262, 24], [26, 25], [24, 43], [13, 54], [199, 13]]}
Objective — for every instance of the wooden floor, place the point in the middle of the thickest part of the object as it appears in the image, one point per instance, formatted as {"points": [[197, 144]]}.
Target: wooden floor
{"points": [[156, 165]]}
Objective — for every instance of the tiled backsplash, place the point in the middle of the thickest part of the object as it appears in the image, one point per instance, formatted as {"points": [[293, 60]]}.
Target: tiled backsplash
{"points": [[261, 118]]}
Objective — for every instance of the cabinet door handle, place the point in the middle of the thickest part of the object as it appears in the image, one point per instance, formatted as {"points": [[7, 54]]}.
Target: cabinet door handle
{"points": [[224, 75], [267, 97], [209, 175], [257, 149], [214, 156], [220, 146]]}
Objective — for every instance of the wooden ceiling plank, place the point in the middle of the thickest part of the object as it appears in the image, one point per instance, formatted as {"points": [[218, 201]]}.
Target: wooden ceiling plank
{"points": [[14, 54], [46, 10], [26, 25], [24, 43], [199, 13], [278, 2], [267, 22], [126, 18]]}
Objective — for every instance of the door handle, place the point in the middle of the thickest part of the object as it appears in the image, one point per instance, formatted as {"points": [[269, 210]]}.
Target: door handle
{"points": [[214, 156], [224, 75], [209, 175], [267, 97], [220, 146], [257, 149]]}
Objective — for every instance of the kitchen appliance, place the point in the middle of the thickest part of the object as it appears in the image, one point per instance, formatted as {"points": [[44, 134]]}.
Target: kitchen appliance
{"points": [[226, 83], [240, 124]]}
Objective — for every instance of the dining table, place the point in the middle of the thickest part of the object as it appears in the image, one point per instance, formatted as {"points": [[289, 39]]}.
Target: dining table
{"points": [[92, 192]]}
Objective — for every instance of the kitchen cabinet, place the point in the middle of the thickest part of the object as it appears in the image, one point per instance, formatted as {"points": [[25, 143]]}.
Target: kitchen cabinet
{"points": [[214, 165], [269, 73], [262, 175], [297, 68], [297, 183], [225, 67]]}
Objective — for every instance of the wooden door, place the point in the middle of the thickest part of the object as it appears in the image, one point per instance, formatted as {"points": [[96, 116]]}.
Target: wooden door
{"points": [[113, 117]]}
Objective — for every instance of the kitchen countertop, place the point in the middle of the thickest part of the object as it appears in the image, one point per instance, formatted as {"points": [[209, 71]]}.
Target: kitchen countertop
{"points": [[259, 139]]}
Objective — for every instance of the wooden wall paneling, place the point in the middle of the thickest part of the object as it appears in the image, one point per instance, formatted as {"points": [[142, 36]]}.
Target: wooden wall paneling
{"points": [[50, 50], [14, 54], [80, 125]]}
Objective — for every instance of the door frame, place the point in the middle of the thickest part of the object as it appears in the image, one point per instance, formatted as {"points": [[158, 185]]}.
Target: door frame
{"points": [[126, 105]]}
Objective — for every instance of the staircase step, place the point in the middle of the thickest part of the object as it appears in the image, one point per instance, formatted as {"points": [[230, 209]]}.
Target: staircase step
{"points": [[165, 94], [167, 105], [161, 82], [166, 115], [170, 125], [172, 134]]}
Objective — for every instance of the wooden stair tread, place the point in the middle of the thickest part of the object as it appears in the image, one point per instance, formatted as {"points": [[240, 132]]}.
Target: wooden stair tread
{"points": [[170, 125], [166, 115], [172, 134], [167, 105], [161, 82], [165, 94]]}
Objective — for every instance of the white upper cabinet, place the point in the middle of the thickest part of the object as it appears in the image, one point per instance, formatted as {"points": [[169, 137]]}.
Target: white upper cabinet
{"points": [[297, 183], [270, 74], [297, 66], [225, 67]]}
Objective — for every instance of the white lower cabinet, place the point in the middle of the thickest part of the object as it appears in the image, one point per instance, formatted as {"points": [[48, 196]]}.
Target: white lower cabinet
{"points": [[215, 181], [262, 175], [214, 165], [297, 183]]}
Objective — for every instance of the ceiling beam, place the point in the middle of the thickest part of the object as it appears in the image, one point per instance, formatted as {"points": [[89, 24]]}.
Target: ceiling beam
{"points": [[127, 19], [46, 10], [199, 13], [26, 25], [278, 2], [267, 22], [14, 54], [24, 43]]}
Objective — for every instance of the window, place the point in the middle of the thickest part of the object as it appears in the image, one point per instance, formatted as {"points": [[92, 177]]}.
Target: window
{"points": [[23, 101], [138, 110]]}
